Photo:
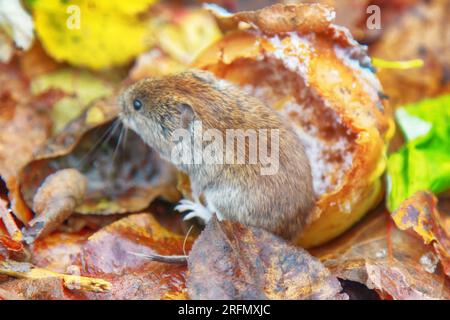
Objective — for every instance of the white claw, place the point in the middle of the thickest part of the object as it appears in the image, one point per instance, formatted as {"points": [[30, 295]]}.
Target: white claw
{"points": [[197, 210], [189, 216], [182, 208]]}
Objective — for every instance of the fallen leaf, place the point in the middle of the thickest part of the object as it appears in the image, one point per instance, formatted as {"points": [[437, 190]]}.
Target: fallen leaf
{"points": [[230, 261], [278, 18], [420, 214], [184, 33], [8, 221], [35, 62], [107, 254], [355, 15], [58, 250], [16, 119], [396, 264], [54, 201], [74, 31], [11, 249]]}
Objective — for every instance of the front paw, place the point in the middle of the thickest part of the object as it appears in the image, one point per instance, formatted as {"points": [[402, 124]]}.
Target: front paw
{"points": [[197, 210]]}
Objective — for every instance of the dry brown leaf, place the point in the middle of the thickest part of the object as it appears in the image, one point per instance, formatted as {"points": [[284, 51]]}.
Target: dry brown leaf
{"points": [[351, 14], [10, 249], [23, 129], [59, 250], [420, 214], [9, 223], [397, 265], [54, 201], [108, 254], [230, 261], [279, 18], [105, 254], [36, 62], [354, 15]]}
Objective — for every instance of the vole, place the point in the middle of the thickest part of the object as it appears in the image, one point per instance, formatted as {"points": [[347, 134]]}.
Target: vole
{"points": [[280, 201]]}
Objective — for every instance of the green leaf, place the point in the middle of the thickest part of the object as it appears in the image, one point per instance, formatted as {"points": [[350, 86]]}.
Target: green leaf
{"points": [[423, 163]]}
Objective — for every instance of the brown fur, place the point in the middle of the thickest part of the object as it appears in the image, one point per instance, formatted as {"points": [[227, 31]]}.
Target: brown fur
{"points": [[280, 203]]}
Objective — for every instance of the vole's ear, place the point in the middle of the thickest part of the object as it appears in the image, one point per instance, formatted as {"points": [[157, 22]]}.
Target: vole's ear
{"points": [[186, 114]]}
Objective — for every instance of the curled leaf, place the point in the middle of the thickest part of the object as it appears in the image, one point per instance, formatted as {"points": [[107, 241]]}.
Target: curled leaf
{"points": [[54, 201], [185, 33], [420, 214], [230, 261], [11, 249], [278, 18], [8, 221]]}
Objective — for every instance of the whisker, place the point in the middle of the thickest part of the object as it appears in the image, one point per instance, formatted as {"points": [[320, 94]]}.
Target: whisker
{"points": [[185, 239], [119, 142], [104, 138], [125, 139]]}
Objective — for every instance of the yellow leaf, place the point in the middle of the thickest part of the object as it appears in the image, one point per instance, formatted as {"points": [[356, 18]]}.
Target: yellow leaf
{"points": [[95, 116], [94, 34], [185, 38]]}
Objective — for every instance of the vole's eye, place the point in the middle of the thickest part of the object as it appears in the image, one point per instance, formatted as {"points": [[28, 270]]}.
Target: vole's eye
{"points": [[137, 104]]}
